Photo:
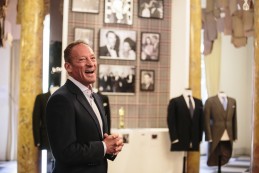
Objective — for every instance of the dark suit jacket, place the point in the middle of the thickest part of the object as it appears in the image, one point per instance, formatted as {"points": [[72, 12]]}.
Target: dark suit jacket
{"points": [[106, 105], [103, 51], [74, 132], [149, 88], [182, 127], [215, 122], [39, 121]]}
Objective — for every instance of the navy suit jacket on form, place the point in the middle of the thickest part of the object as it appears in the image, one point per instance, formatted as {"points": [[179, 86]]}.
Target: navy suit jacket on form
{"points": [[74, 132], [182, 126]]}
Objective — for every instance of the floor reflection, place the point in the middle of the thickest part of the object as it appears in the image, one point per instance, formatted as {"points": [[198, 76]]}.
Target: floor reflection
{"points": [[235, 165], [239, 164], [8, 167]]}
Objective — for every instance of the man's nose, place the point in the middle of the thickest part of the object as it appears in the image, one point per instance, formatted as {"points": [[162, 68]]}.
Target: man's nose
{"points": [[89, 62]]}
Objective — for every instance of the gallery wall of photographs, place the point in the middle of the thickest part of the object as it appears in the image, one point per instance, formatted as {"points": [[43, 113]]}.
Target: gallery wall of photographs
{"points": [[131, 40]]}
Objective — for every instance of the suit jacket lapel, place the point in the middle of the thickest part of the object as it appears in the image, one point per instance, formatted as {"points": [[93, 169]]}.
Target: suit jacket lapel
{"points": [[184, 102], [83, 101], [220, 106], [195, 108], [99, 104], [218, 103]]}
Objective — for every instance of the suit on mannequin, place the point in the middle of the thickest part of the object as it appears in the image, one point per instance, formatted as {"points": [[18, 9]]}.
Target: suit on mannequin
{"points": [[39, 121], [220, 128], [185, 130], [41, 139]]}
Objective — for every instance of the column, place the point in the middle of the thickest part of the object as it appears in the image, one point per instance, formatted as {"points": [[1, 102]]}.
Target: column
{"points": [[255, 131], [31, 19], [193, 158]]}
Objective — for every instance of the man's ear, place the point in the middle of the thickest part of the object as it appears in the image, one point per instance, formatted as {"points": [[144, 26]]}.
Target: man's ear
{"points": [[68, 67]]}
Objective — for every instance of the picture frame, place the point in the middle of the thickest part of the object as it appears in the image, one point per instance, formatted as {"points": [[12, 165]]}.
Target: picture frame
{"points": [[117, 79], [126, 138], [85, 34], [117, 44], [150, 46], [153, 9], [118, 12], [147, 80], [87, 6]]}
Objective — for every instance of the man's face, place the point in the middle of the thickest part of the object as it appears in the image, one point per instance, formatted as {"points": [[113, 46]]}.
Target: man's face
{"points": [[147, 79], [126, 46], [82, 66], [111, 38]]}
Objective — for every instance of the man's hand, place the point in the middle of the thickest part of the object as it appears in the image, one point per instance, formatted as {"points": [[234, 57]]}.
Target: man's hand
{"points": [[114, 143]]}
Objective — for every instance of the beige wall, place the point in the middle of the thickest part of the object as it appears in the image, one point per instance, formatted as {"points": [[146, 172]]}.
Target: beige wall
{"points": [[4, 99], [5, 59], [236, 81]]}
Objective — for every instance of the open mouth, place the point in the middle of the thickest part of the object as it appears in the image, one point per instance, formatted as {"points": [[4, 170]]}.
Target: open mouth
{"points": [[89, 71]]}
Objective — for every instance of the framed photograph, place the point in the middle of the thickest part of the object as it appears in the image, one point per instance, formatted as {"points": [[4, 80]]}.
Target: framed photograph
{"points": [[117, 44], [116, 79], [87, 6], [151, 9], [147, 80], [118, 12], [85, 34], [125, 138], [150, 45]]}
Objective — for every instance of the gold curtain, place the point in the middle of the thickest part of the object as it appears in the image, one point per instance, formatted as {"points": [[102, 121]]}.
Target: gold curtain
{"points": [[212, 68]]}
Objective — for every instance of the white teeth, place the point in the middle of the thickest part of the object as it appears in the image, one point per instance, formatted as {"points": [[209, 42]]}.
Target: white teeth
{"points": [[89, 71]]}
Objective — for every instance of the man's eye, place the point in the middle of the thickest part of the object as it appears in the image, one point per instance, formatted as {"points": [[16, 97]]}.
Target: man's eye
{"points": [[82, 59]]}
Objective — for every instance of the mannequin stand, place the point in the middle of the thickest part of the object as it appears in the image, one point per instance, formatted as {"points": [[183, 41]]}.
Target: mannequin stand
{"points": [[219, 164], [184, 162]]}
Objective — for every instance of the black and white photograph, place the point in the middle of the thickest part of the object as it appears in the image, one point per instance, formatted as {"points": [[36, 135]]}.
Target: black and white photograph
{"points": [[87, 6], [117, 44], [125, 138], [117, 79], [147, 80], [150, 45], [118, 12], [85, 34], [151, 9]]}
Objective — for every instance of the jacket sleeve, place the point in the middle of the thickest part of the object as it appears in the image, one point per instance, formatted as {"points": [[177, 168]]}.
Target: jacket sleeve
{"points": [[201, 120], [36, 120], [171, 120], [234, 122], [207, 117]]}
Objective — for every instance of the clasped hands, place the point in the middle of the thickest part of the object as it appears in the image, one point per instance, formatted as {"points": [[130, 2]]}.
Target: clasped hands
{"points": [[114, 143]]}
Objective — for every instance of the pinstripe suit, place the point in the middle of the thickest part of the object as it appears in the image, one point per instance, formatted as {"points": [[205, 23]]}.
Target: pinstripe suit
{"points": [[217, 120]]}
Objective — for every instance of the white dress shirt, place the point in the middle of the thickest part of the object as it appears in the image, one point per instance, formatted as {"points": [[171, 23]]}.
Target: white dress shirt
{"points": [[88, 94], [186, 95]]}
